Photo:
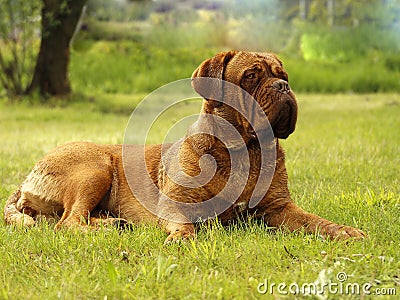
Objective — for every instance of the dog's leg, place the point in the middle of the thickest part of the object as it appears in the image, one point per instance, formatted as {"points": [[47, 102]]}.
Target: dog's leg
{"points": [[168, 214], [294, 218], [86, 192], [177, 232]]}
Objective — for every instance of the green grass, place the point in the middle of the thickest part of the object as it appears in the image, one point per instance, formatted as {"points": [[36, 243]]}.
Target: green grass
{"points": [[343, 162]]}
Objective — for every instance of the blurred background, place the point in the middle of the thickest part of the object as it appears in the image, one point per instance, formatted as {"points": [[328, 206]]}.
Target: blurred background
{"points": [[134, 47]]}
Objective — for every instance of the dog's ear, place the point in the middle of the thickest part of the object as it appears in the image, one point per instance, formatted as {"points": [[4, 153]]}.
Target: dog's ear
{"points": [[212, 68]]}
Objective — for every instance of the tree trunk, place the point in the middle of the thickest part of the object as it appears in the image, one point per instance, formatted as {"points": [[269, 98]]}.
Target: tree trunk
{"points": [[59, 19]]}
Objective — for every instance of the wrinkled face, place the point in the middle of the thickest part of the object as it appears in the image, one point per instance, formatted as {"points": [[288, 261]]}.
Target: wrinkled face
{"points": [[263, 77]]}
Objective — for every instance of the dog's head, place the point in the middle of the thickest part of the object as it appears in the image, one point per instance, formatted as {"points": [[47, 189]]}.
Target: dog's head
{"points": [[262, 76]]}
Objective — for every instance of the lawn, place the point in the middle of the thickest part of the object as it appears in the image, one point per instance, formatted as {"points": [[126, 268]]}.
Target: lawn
{"points": [[343, 162]]}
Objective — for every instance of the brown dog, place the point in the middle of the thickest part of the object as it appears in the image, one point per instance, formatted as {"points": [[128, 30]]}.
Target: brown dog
{"points": [[88, 184]]}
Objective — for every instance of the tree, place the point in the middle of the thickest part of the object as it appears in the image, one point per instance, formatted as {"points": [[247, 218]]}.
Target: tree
{"points": [[59, 20]]}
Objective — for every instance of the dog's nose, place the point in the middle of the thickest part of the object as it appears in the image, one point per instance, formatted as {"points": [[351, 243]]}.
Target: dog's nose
{"points": [[281, 85]]}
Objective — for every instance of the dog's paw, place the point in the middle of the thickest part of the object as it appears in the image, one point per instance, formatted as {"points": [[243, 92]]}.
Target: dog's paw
{"points": [[347, 232], [24, 220], [179, 236]]}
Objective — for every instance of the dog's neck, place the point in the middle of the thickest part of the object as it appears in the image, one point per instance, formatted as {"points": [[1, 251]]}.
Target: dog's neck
{"points": [[207, 137]]}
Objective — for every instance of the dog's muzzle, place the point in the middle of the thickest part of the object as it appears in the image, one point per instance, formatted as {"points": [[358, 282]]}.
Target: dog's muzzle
{"points": [[283, 115]]}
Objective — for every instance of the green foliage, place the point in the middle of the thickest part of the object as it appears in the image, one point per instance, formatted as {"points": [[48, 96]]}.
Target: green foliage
{"points": [[19, 24], [392, 62], [368, 75], [121, 11], [349, 30], [358, 52], [110, 31], [131, 67], [343, 164], [271, 35], [335, 30], [195, 36], [348, 47], [345, 45]]}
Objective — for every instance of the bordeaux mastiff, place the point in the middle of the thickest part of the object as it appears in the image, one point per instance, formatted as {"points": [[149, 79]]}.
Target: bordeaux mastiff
{"points": [[85, 184]]}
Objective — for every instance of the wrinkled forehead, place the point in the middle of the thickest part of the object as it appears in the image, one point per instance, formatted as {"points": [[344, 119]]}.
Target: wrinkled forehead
{"points": [[269, 58], [243, 61]]}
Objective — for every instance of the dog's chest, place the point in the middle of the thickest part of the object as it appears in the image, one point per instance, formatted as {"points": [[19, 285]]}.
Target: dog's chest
{"points": [[250, 181], [240, 180]]}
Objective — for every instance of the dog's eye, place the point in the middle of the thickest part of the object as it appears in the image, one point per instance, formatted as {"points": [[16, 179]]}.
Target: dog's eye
{"points": [[251, 76]]}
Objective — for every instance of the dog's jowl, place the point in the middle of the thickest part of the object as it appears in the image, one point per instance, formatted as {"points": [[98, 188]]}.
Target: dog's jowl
{"points": [[85, 184]]}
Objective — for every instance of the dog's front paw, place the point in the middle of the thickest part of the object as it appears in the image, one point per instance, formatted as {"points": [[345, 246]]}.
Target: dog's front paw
{"points": [[339, 232], [348, 232], [180, 233]]}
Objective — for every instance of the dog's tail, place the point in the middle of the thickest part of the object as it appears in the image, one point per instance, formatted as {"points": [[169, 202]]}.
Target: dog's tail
{"points": [[12, 215]]}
